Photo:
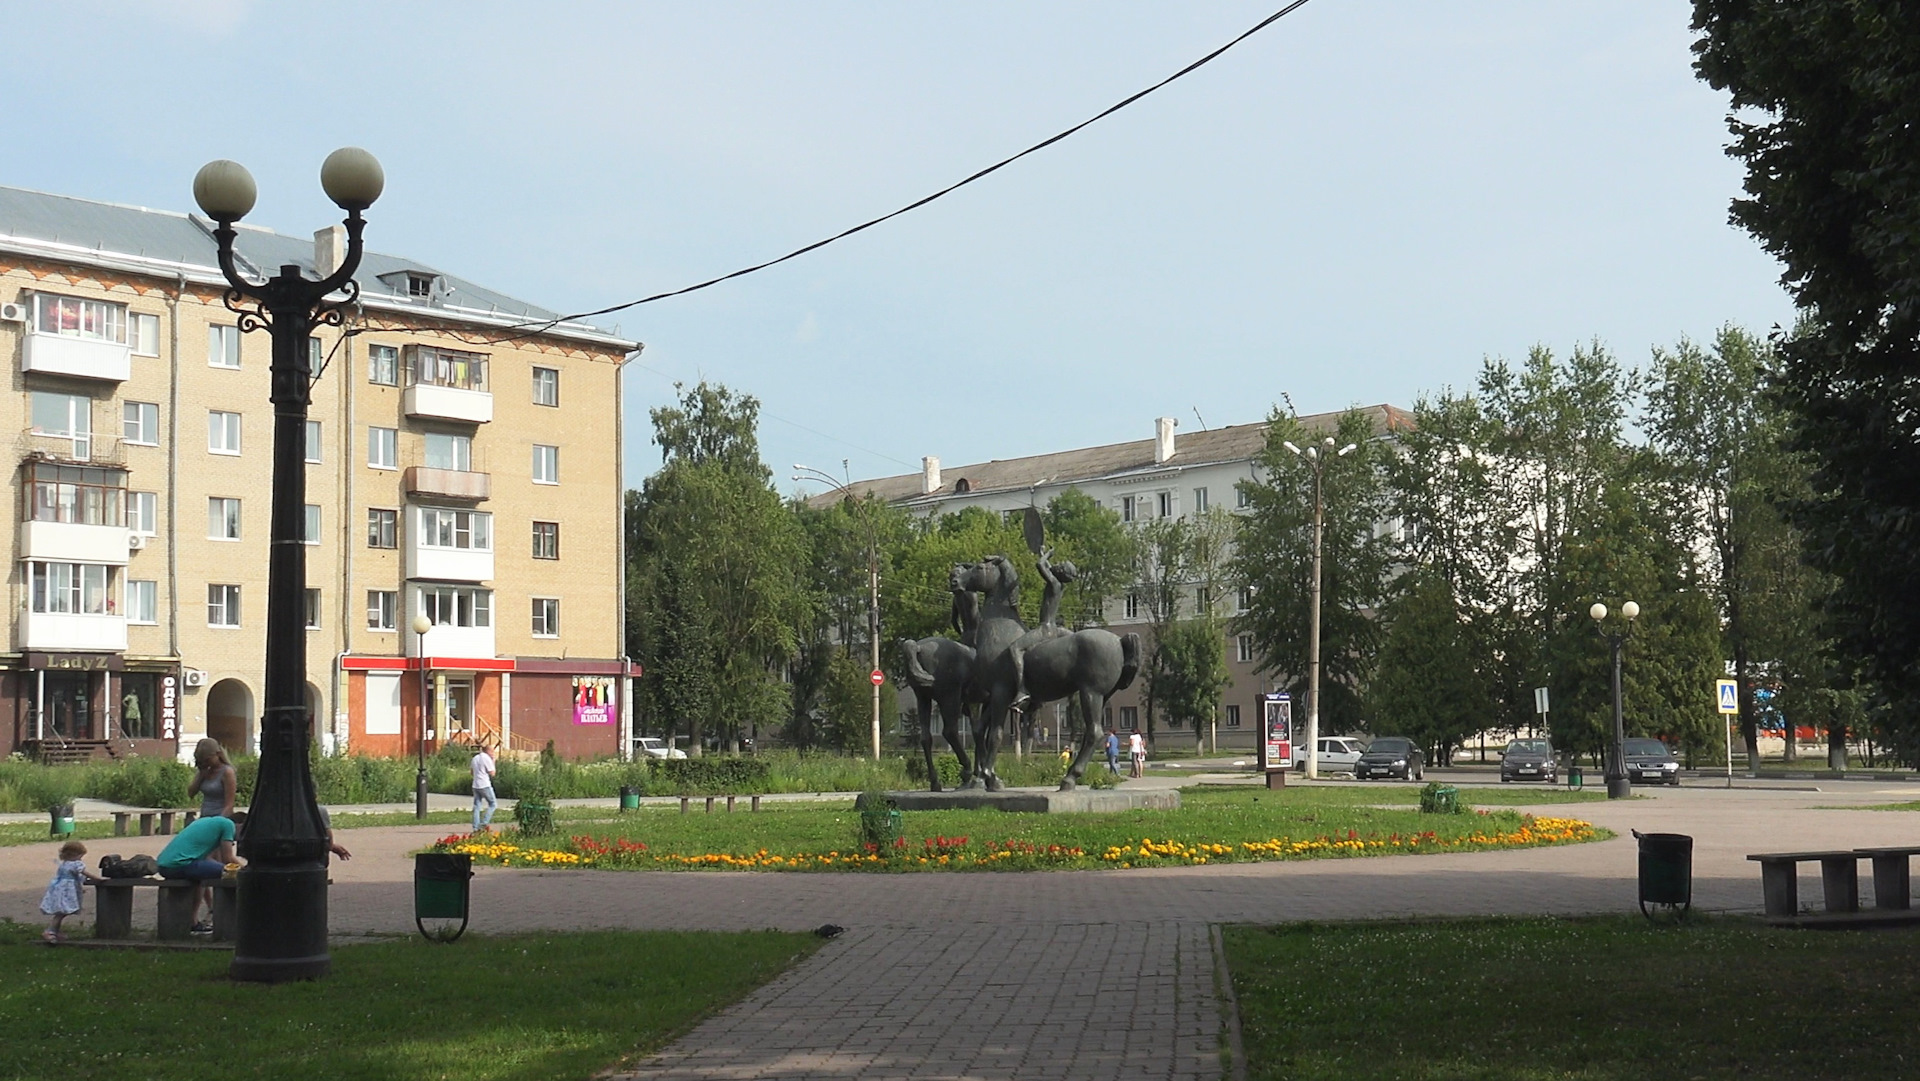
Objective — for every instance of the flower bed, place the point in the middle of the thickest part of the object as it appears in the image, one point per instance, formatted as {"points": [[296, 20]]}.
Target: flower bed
{"points": [[943, 853]]}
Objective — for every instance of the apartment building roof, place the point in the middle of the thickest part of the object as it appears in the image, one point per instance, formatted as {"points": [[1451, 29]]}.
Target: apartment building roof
{"points": [[1112, 462], [167, 243]]}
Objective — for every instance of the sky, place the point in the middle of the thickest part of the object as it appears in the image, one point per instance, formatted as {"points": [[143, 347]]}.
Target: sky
{"points": [[1359, 204]]}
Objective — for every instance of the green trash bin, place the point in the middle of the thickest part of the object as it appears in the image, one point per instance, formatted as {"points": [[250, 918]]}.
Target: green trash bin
{"points": [[61, 820], [629, 798], [1574, 777], [1440, 799], [440, 892], [1666, 872]]}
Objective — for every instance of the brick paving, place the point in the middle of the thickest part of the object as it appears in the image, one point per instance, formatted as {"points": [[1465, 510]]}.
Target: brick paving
{"points": [[1100, 974]]}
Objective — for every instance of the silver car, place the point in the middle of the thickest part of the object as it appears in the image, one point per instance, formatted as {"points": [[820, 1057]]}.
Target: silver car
{"points": [[655, 747], [1337, 754]]}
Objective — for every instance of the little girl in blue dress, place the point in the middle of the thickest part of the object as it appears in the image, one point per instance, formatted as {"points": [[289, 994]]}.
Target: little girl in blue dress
{"points": [[62, 898]]}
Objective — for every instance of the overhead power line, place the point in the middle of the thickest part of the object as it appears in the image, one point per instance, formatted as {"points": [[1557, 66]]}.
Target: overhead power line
{"points": [[532, 328]]}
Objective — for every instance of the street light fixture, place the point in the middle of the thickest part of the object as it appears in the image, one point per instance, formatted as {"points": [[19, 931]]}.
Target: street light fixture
{"points": [[282, 903], [421, 625], [1618, 787], [807, 472], [1316, 456]]}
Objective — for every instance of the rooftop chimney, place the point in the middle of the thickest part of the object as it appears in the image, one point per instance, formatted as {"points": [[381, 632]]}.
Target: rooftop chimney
{"points": [[1163, 439], [329, 249], [929, 475]]}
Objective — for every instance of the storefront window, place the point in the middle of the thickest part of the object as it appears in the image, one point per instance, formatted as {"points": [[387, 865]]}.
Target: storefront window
{"points": [[139, 705]]}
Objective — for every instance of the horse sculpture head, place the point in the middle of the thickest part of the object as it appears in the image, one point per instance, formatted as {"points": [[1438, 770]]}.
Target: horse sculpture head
{"points": [[993, 576]]}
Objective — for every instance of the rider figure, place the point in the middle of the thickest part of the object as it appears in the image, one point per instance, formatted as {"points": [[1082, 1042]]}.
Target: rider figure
{"points": [[1056, 578]]}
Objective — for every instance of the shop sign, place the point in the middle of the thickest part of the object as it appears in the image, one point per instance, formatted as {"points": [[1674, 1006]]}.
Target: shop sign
{"points": [[592, 700], [76, 662], [169, 705]]}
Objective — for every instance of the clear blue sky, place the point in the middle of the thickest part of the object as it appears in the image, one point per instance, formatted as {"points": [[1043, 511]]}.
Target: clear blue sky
{"points": [[1355, 206]]}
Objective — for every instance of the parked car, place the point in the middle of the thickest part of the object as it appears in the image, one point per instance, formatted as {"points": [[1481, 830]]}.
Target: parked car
{"points": [[1337, 754], [1650, 761], [1528, 760], [655, 747], [1391, 756]]}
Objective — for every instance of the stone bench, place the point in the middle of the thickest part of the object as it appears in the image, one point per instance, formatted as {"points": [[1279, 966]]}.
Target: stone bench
{"points": [[1780, 880], [146, 821], [113, 918], [1892, 887]]}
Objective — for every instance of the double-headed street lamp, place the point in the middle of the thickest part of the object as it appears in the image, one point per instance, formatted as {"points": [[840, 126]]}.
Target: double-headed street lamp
{"points": [[807, 472], [1316, 456], [1618, 787], [283, 887]]}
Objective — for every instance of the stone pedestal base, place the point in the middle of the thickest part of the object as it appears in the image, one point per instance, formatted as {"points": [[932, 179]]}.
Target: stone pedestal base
{"points": [[1040, 800]]}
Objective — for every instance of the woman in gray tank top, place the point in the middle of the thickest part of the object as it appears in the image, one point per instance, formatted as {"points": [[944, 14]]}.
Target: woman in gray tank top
{"points": [[213, 780]]}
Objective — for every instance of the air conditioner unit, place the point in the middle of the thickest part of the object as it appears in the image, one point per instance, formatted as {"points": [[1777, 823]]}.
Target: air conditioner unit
{"points": [[13, 313], [136, 541], [194, 677]]}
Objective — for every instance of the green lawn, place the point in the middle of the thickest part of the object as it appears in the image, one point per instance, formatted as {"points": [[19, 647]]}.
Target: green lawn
{"points": [[1390, 792], [534, 1007], [1212, 825], [1613, 999]]}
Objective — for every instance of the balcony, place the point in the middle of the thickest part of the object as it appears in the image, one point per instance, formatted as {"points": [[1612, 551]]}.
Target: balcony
{"points": [[66, 632], [85, 358], [448, 641], [447, 403], [449, 564], [67, 542], [424, 480]]}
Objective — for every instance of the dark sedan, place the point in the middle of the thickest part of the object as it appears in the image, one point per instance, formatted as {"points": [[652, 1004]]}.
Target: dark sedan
{"points": [[1650, 761], [1527, 760], [1391, 756]]}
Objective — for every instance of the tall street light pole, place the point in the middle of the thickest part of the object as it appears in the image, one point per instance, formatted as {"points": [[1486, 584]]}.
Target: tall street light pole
{"points": [[282, 903], [421, 625], [1618, 787], [1316, 456], [807, 472]]}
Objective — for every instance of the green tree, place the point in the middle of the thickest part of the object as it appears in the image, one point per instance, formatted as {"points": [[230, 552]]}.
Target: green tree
{"points": [[1428, 685], [1100, 548], [1194, 655], [1826, 110], [1273, 558]]}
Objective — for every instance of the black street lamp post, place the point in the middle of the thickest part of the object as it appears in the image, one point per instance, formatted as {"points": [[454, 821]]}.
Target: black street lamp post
{"points": [[1618, 786], [282, 933]]}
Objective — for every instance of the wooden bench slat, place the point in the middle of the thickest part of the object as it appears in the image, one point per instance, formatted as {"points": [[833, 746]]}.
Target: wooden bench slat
{"points": [[1801, 857]]}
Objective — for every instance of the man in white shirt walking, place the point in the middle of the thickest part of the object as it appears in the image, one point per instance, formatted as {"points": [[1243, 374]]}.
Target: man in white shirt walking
{"points": [[482, 788]]}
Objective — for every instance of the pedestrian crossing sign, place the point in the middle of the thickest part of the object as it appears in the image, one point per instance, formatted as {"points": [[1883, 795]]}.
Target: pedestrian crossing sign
{"points": [[1729, 695]]}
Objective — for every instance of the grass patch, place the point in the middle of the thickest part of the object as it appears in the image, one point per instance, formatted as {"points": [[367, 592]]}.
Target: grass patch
{"points": [[1212, 825], [522, 1007], [1613, 999]]}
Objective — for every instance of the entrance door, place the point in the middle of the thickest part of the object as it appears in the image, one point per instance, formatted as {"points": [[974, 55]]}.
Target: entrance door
{"points": [[68, 705]]}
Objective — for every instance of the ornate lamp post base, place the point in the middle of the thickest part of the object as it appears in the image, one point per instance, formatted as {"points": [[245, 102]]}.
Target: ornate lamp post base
{"points": [[293, 946]]}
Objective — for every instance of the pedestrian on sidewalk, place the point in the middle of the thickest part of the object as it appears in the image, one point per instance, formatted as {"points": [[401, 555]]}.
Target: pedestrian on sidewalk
{"points": [[483, 770], [213, 779], [62, 898], [1113, 753], [1137, 748]]}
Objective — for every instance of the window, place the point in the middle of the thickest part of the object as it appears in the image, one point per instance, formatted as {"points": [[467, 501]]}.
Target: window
{"points": [[223, 518], [1245, 645], [65, 415], [71, 317], [310, 608], [310, 525], [316, 353], [1129, 717], [546, 540], [1243, 599], [546, 464], [223, 606], [146, 335], [143, 512], [546, 386], [142, 606], [1203, 599], [546, 617], [457, 606], [1165, 500], [449, 452], [382, 528], [78, 494], [383, 365], [383, 447], [381, 604], [223, 432], [436, 367], [223, 347], [1199, 501], [1242, 497], [70, 588], [419, 285], [140, 422], [313, 442], [456, 529], [1129, 508], [1233, 716], [1133, 606]]}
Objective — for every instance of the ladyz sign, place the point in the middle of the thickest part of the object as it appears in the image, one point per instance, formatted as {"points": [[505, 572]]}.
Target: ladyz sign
{"points": [[169, 705], [592, 700]]}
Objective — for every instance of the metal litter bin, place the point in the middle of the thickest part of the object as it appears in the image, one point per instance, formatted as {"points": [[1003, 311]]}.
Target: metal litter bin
{"points": [[629, 798], [1575, 778], [60, 817], [1441, 799], [440, 892], [1666, 873]]}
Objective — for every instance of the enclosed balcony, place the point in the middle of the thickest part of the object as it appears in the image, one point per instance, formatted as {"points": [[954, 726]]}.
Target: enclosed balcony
{"points": [[447, 384], [449, 545], [76, 337], [71, 606], [461, 618], [74, 513]]}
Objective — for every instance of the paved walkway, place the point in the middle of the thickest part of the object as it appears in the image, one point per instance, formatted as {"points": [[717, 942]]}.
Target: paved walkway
{"points": [[1097, 974]]}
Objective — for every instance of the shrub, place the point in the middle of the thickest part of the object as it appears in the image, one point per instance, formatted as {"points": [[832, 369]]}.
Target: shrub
{"points": [[140, 782], [30, 786], [714, 775], [881, 823], [1437, 798], [948, 765], [534, 813]]}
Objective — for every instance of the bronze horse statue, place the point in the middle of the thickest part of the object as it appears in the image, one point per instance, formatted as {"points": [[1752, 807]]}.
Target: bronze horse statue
{"points": [[938, 669]]}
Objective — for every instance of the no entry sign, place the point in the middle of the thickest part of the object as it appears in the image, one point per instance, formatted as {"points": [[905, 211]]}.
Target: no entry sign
{"points": [[878, 677]]}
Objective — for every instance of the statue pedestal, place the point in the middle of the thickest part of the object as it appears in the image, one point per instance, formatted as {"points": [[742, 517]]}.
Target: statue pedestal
{"points": [[1041, 800]]}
